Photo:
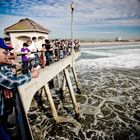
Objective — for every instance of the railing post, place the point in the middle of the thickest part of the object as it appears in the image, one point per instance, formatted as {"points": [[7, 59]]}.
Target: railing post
{"points": [[71, 92], [52, 105], [62, 89]]}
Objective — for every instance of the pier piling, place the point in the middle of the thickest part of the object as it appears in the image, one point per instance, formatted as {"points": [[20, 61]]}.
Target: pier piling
{"points": [[67, 76], [63, 88], [58, 80], [52, 105], [76, 80]]}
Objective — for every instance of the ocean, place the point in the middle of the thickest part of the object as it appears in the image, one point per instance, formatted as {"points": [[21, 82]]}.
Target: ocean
{"points": [[109, 102]]}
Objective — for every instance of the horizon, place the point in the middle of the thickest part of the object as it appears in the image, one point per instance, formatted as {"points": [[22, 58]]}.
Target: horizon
{"points": [[93, 19]]}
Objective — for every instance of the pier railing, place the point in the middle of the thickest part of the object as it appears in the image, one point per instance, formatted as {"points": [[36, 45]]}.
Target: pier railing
{"points": [[19, 69], [28, 90]]}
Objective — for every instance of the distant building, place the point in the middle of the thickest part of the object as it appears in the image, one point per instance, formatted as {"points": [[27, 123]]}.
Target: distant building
{"points": [[118, 39], [26, 29]]}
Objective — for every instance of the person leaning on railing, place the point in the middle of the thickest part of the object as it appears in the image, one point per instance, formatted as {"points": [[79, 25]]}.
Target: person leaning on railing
{"points": [[48, 52], [35, 49], [43, 57], [76, 45], [8, 82], [24, 57]]}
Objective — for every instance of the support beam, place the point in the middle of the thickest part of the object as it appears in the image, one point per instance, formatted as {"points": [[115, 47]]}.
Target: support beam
{"points": [[71, 92], [63, 88], [76, 80], [64, 84], [58, 80], [52, 105]]}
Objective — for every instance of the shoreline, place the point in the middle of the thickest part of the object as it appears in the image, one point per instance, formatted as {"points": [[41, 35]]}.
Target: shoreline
{"points": [[108, 43]]}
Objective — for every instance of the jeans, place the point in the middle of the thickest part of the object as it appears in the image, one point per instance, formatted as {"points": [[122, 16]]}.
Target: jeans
{"points": [[25, 67], [36, 60], [48, 57], [3, 133]]}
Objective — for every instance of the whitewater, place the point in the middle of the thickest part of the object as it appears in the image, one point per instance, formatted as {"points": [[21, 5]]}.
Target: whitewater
{"points": [[109, 102], [124, 56]]}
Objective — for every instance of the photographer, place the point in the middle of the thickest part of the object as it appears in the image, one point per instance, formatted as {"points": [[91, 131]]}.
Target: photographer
{"points": [[8, 82]]}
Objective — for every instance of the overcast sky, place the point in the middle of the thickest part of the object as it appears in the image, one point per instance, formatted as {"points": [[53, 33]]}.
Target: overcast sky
{"points": [[93, 19]]}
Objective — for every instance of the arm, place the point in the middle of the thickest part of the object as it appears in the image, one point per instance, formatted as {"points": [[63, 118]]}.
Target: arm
{"points": [[10, 81]]}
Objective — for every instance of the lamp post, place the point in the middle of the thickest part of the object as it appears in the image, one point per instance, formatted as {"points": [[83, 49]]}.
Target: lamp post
{"points": [[77, 115], [72, 25]]}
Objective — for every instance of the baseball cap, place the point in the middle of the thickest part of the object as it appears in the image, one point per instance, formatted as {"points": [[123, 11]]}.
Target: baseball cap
{"points": [[4, 46]]}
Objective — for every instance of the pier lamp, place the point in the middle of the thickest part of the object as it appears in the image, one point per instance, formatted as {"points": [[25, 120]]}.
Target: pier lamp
{"points": [[72, 39], [72, 25]]}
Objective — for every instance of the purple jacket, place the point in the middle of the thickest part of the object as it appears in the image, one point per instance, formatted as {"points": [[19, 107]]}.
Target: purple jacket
{"points": [[24, 57]]}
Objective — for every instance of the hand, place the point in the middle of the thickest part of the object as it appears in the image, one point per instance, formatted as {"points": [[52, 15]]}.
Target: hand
{"points": [[10, 58], [35, 73], [14, 70], [15, 63]]}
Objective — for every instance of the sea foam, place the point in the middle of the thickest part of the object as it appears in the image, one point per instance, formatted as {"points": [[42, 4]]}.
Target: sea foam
{"points": [[110, 57]]}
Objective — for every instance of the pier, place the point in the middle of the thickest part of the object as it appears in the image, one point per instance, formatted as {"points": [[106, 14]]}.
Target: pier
{"points": [[62, 70], [28, 90]]}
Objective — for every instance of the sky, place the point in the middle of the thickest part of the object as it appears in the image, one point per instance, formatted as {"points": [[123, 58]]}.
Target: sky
{"points": [[93, 19]]}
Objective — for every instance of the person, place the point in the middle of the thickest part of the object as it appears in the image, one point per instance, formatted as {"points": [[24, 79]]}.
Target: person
{"points": [[42, 57], [69, 46], [34, 40], [24, 56], [48, 52], [8, 82], [61, 49], [11, 55], [76, 45], [56, 49], [31, 56], [7, 41]]}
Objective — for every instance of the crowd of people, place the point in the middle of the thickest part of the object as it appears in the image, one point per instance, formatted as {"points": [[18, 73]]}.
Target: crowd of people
{"points": [[33, 58], [51, 51]]}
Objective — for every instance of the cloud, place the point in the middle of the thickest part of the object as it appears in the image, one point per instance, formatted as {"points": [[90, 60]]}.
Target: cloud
{"points": [[90, 11], [55, 14], [108, 11]]}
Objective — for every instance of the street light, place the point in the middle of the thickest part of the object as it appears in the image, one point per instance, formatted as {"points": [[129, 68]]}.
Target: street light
{"points": [[72, 25], [73, 52]]}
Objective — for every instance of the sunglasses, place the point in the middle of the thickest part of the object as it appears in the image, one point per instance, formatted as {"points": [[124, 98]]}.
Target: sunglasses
{"points": [[5, 52]]}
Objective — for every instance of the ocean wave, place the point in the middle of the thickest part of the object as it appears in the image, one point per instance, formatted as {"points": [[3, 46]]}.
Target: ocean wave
{"points": [[121, 61], [99, 53]]}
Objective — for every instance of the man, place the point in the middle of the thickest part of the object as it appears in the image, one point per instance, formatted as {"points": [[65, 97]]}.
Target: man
{"points": [[34, 40], [31, 56], [8, 80]]}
